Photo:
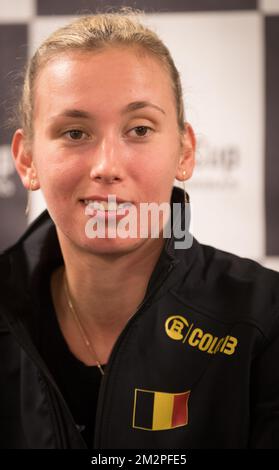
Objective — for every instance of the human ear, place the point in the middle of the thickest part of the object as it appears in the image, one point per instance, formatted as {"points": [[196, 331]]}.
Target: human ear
{"points": [[24, 164], [186, 163]]}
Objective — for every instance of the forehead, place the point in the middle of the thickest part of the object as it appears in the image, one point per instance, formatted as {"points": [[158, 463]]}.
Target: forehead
{"points": [[105, 79]]}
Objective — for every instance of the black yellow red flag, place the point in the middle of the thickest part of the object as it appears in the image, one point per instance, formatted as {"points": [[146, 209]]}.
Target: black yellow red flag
{"points": [[157, 411]]}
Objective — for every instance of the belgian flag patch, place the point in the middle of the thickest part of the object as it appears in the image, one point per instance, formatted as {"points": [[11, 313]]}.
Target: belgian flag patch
{"points": [[157, 411]]}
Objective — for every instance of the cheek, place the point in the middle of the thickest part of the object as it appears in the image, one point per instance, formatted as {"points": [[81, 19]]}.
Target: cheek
{"points": [[156, 179], [55, 171]]}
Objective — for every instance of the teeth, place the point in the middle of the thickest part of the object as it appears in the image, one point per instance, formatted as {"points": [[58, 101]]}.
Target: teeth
{"points": [[124, 204], [105, 205]]}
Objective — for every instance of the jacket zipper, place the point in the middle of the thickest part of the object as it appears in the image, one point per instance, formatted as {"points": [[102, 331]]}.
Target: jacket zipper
{"points": [[105, 378]]}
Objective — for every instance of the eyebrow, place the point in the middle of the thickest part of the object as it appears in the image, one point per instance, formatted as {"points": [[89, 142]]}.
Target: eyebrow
{"points": [[74, 113], [141, 104], [78, 113]]}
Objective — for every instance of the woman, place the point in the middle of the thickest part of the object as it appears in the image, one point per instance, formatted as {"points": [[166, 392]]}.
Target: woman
{"points": [[124, 341]]}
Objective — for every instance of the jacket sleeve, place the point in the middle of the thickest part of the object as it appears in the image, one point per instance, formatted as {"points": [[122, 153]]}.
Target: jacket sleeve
{"points": [[264, 412]]}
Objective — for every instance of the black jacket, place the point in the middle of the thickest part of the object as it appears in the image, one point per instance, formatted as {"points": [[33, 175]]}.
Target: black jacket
{"points": [[195, 367]]}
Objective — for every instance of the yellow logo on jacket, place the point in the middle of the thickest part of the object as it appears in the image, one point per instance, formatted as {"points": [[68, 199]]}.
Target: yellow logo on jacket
{"points": [[179, 329]]}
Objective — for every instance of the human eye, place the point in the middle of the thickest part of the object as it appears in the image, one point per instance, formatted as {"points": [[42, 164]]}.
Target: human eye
{"points": [[76, 135], [141, 131]]}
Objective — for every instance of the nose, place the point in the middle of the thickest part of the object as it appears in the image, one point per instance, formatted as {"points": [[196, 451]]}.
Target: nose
{"points": [[106, 162]]}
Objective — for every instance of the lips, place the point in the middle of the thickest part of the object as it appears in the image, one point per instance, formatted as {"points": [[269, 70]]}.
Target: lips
{"points": [[110, 204]]}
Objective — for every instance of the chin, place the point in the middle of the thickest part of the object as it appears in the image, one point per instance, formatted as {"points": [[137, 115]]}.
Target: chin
{"points": [[116, 246]]}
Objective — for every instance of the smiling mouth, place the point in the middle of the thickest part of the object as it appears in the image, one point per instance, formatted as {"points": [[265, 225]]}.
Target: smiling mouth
{"points": [[110, 206], [104, 208]]}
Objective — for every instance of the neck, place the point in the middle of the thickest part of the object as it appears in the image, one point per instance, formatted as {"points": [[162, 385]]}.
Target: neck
{"points": [[107, 290]]}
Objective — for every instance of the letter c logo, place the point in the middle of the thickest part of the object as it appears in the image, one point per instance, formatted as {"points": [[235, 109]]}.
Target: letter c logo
{"points": [[174, 326]]}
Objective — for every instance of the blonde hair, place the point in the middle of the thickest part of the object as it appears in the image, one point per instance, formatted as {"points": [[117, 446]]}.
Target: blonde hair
{"points": [[94, 32]]}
